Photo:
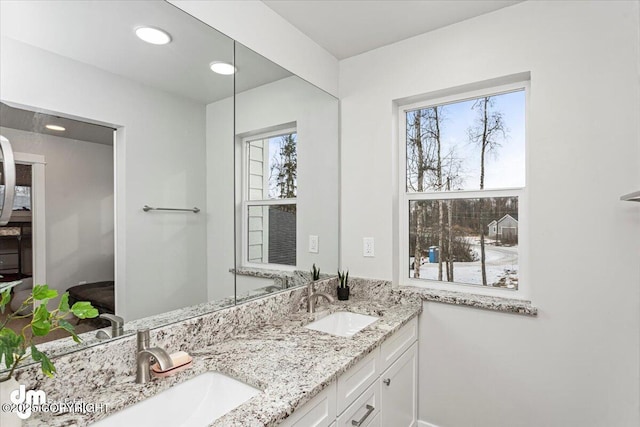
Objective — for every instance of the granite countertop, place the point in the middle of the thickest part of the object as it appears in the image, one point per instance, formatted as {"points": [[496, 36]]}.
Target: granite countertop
{"points": [[289, 363], [292, 364], [486, 302]]}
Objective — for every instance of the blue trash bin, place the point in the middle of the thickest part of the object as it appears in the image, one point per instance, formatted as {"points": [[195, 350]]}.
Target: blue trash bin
{"points": [[433, 254]]}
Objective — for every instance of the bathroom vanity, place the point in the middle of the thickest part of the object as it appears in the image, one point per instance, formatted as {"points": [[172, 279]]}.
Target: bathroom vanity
{"points": [[305, 376], [380, 390]]}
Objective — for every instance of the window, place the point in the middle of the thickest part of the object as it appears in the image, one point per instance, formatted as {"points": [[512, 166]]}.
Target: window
{"points": [[269, 202], [463, 180], [21, 200], [22, 189]]}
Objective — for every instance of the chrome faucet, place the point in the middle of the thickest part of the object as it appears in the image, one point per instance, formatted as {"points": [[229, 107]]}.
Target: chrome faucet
{"points": [[144, 355], [117, 326], [312, 297]]}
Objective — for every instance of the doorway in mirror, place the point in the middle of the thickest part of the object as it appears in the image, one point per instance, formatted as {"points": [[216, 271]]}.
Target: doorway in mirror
{"points": [[61, 228]]}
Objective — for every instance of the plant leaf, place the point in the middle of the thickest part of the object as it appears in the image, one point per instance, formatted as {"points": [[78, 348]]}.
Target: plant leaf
{"points": [[69, 328], [10, 346], [84, 310], [42, 292], [41, 322], [6, 297], [63, 306], [47, 367]]}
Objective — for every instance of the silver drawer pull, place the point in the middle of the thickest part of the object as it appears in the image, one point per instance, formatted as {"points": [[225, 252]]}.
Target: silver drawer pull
{"points": [[387, 381], [370, 409]]}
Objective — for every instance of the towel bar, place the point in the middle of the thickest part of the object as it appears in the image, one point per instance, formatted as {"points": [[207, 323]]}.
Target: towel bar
{"points": [[148, 208]]}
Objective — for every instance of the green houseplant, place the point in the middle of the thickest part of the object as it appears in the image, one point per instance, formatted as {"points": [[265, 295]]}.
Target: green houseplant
{"points": [[17, 347], [343, 285]]}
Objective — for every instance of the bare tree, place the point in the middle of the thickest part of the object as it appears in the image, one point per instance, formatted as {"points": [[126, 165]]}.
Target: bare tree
{"points": [[427, 169], [432, 128], [450, 235], [415, 179], [452, 168], [486, 133]]}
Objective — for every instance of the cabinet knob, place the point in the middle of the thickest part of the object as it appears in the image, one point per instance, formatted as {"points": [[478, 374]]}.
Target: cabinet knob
{"points": [[387, 381]]}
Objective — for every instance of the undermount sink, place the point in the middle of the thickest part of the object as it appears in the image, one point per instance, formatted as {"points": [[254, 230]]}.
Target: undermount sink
{"points": [[196, 402], [342, 323]]}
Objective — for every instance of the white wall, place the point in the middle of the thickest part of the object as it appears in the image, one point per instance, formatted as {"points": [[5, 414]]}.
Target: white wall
{"points": [[275, 104], [258, 27], [160, 153], [79, 206], [576, 364], [220, 200]]}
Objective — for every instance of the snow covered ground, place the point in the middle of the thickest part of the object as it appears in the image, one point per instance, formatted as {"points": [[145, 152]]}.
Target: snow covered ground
{"points": [[501, 267]]}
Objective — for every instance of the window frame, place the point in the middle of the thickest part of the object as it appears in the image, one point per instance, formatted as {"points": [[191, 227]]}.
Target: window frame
{"points": [[405, 197], [246, 203]]}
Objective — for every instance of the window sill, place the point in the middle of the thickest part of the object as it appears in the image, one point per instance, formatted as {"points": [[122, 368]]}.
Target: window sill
{"points": [[505, 305]]}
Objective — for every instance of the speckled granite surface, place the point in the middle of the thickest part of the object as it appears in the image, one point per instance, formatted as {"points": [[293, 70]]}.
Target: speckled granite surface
{"points": [[507, 305], [261, 342], [286, 280], [66, 345]]}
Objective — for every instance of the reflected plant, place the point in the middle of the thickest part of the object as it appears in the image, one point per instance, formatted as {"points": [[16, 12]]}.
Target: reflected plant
{"points": [[315, 273], [17, 347]]}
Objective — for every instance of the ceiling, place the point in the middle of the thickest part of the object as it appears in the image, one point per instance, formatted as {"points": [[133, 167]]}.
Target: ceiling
{"points": [[101, 34], [349, 27], [30, 121]]}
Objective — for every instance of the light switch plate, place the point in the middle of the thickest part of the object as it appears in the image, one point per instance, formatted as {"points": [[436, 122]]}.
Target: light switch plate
{"points": [[313, 244], [368, 247]]}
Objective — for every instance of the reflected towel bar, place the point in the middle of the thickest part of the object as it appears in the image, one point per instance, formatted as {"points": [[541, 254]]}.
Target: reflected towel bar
{"points": [[631, 197], [148, 208]]}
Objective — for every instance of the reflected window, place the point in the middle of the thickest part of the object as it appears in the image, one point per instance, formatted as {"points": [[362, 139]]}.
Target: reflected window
{"points": [[21, 200], [22, 189], [270, 198]]}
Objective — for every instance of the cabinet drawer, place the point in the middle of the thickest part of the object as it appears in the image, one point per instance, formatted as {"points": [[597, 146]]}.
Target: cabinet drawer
{"points": [[353, 382], [363, 410], [318, 412], [392, 348]]}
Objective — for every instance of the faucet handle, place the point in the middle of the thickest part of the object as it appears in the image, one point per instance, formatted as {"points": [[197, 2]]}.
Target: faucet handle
{"points": [[143, 339], [117, 323]]}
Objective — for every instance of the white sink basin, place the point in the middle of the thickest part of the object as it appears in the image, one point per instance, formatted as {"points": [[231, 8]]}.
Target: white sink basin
{"points": [[196, 402], [342, 323]]}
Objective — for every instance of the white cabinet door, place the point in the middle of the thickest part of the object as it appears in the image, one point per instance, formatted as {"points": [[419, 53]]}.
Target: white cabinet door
{"points": [[398, 396], [357, 379], [318, 412]]}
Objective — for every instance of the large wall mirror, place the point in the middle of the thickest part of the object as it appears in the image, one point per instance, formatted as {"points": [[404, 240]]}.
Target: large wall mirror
{"points": [[189, 176]]}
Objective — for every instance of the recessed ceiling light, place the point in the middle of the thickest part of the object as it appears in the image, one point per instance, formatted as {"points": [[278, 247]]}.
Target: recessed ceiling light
{"points": [[153, 35], [222, 68], [55, 127]]}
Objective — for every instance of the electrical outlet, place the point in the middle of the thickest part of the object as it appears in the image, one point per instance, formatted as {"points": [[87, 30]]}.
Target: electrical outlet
{"points": [[313, 244], [367, 247]]}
